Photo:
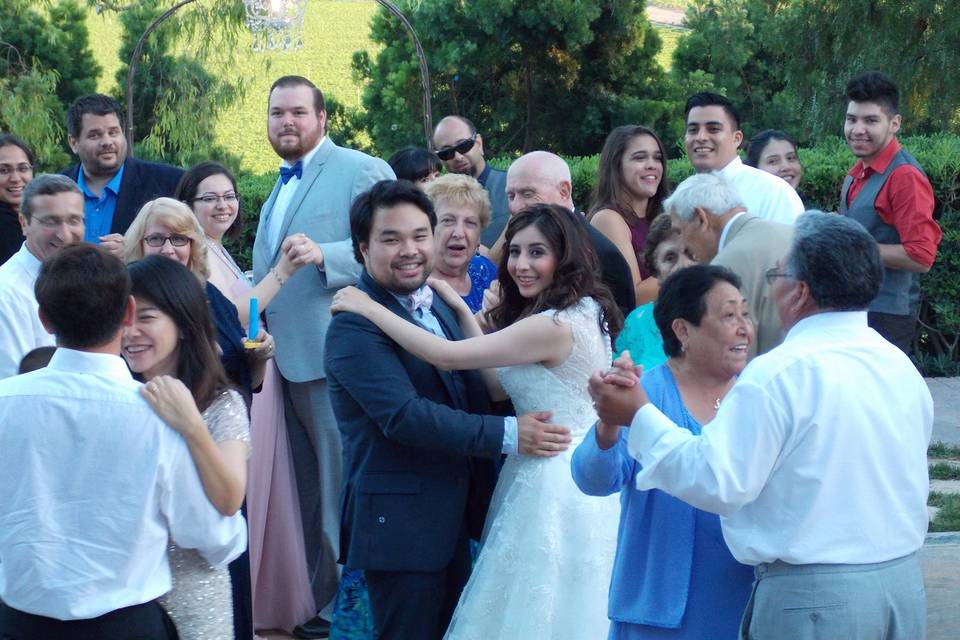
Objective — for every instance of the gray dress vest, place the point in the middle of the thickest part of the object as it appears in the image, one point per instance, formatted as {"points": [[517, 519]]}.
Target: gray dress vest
{"points": [[900, 291]]}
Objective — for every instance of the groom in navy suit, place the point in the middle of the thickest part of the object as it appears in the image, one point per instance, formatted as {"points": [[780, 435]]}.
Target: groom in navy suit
{"points": [[418, 449]]}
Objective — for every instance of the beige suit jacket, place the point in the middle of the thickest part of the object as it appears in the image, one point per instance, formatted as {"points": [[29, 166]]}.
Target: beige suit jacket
{"points": [[752, 247]]}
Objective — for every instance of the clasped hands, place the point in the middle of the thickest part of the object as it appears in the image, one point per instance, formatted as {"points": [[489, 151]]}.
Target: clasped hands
{"points": [[617, 393], [301, 250]]}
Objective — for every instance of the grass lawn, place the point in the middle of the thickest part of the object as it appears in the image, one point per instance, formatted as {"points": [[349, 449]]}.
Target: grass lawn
{"points": [[333, 30]]}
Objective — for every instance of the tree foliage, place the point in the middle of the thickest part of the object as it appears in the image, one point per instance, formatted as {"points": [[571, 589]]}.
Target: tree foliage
{"points": [[555, 74], [176, 100], [45, 62]]}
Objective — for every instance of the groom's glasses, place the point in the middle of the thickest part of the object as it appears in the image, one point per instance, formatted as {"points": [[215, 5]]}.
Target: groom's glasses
{"points": [[461, 147]]}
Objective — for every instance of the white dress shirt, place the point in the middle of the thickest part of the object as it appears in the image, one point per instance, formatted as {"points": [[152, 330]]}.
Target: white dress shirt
{"points": [[20, 327], [763, 194], [93, 484], [279, 211], [817, 455]]}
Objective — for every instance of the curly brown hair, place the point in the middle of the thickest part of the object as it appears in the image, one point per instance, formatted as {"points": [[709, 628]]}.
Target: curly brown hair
{"points": [[577, 273]]}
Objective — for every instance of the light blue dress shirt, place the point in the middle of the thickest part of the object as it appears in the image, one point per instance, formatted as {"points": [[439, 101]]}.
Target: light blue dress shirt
{"points": [[98, 211]]}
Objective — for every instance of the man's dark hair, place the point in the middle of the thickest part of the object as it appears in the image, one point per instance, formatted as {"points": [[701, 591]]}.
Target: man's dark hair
{"points": [[384, 194], [8, 140], [45, 184], [837, 258], [708, 99], [875, 87], [82, 292], [36, 359], [684, 295], [414, 163], [286, 82], [95, 103]]}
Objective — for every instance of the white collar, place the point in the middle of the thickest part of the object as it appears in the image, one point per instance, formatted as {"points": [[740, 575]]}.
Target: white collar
{"points": [[726, 228], [733, 167], [112, 366]]}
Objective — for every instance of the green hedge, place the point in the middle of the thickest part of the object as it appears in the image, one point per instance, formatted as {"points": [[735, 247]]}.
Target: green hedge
{"points": [[937, 342]]}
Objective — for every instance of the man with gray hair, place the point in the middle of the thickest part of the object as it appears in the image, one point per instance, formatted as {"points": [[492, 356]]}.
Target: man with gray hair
{"points": [[51, 215], [717, 228], [822, 490]]}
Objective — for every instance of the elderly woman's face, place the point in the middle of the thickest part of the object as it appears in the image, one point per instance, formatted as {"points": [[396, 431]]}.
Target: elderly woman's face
{"points": [[725, 331], [457, 235], [671, 255], [159, 239]]}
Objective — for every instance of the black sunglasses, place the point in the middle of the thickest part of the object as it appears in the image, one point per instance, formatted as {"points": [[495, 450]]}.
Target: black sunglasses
{"points": [[461, 147]]}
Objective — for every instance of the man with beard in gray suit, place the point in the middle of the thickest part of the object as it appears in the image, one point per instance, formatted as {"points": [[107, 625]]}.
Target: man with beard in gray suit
{"points": [[307, 217]]}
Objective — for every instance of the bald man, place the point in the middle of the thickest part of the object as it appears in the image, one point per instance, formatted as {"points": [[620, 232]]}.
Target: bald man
{"points": [[543, 177], [460, 148]]}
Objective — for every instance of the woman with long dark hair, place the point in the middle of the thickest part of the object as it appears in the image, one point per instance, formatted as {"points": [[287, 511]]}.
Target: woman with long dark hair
{"points": [[172, 346], [16, 170], [532, 578], [631, 187]]}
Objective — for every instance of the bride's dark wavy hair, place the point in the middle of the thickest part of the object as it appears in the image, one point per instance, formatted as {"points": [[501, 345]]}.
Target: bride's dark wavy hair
{"points": [[577, 273]]}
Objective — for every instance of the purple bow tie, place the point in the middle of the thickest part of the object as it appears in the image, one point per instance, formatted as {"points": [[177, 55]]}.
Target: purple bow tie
{"points": [[288, 172], [422, 298]]}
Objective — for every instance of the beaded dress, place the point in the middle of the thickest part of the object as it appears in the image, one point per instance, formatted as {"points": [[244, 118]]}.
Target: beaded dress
{"points": [[200, 602]]}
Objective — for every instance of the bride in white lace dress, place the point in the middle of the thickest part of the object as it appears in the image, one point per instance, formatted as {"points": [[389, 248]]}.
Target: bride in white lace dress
{"points": [[547, 551]]}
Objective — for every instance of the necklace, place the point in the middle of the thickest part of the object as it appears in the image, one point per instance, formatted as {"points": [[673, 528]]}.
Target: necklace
{"points": [[716, 404]]}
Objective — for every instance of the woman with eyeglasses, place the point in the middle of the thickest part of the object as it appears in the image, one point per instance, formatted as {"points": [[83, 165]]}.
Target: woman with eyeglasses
{"points": [[278, 567], [16, 170]]}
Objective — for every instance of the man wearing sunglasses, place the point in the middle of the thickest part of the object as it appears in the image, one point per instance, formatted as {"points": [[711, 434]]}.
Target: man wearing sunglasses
{"points": [[460, 147]]}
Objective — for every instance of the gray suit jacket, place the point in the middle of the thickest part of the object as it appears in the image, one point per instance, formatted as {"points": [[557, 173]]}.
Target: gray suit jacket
{"points": [[752, 247], [299, 314]]}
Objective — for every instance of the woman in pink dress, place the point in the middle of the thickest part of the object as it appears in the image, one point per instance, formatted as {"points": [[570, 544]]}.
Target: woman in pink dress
{"points": [[281, 589]]}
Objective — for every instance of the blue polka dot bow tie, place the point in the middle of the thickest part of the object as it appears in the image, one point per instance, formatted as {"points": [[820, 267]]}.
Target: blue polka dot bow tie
{"points": [[421, 299], [288, 172]]}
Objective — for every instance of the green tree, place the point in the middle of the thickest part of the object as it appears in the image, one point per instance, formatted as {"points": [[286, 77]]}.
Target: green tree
{"points": [[736, 47], [45, 62], [915, 42], [176, 101], [556, 74]]}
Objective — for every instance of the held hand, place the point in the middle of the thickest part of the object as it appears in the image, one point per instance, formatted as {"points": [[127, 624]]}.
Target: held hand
{"points": [[616, 404], [350, 299], [267, 348], [113, 244], [302, 250], [173, 402], [536, 437], [623, 372], [285, 266]]}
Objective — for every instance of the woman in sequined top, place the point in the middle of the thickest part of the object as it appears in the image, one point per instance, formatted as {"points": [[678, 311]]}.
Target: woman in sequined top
{"points": [[172, 346]]}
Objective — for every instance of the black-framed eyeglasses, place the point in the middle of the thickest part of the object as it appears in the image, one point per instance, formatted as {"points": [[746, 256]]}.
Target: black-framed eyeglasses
{"points": [[774, 273], [213, 198], [461, 147], [23, 168], [158, 240]]}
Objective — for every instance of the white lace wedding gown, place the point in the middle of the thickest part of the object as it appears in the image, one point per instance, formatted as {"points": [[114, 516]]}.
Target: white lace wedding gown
{"points": [[544, 567]]}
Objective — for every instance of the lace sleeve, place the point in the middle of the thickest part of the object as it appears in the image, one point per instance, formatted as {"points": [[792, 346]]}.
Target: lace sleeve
{"points": [[227, 418]]}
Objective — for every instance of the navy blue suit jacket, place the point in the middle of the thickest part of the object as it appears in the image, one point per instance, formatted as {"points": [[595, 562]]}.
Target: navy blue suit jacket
{"points": [[417, 456], [142, 182]]}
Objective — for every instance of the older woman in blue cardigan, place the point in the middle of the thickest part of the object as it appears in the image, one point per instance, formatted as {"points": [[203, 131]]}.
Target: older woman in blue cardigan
{"points": [[673, 576]]}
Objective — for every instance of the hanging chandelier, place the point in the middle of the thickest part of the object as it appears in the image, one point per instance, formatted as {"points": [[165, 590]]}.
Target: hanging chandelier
{"points": [[275, 24]]}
